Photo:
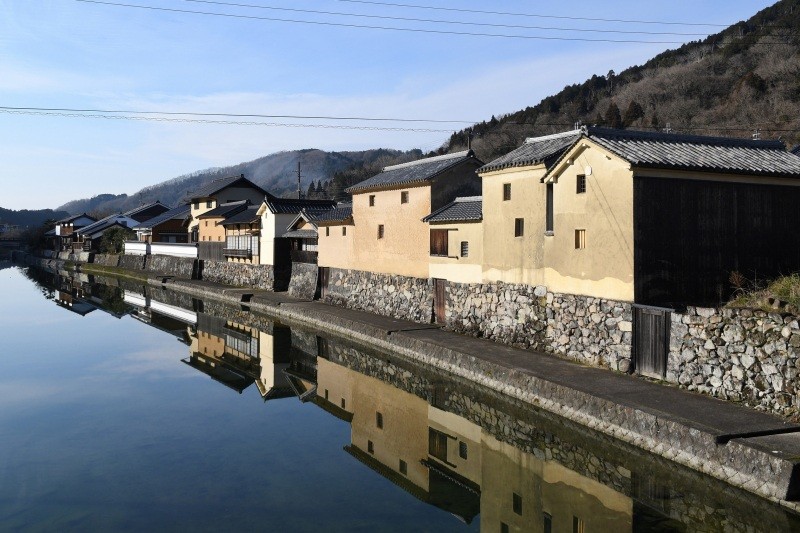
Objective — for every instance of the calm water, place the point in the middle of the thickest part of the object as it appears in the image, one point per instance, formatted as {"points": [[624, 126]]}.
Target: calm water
{"points": [[128, 408]]}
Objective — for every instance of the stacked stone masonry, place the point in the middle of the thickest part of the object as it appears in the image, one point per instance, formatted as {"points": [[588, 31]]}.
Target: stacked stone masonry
{"points": [[239, 274], [182, 267], [737, 354], [383, 294], [303, 283]]}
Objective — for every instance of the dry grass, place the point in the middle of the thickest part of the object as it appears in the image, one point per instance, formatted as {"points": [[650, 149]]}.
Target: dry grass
{"points": [[782, 293]]}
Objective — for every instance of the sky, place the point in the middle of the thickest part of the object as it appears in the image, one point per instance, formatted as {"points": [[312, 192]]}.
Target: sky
{"points": [[70, 54]]}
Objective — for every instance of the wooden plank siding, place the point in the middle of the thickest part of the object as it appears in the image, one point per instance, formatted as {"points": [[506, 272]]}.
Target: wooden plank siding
{"points": [[689, 235]]}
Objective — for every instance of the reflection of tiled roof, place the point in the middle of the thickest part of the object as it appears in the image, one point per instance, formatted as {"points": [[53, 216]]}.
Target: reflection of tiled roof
{"points": [[535, 151], [177, 213], [226, 209], [413, 172], [210, 189], [245, 216], [694, 152], [293, 206], [463, 209]]}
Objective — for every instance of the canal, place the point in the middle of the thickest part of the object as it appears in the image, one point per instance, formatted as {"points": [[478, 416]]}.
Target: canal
{"points": [[124, 407]]}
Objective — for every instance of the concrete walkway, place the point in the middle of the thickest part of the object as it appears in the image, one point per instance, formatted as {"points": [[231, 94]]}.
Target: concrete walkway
{"points": [[746, 448]]}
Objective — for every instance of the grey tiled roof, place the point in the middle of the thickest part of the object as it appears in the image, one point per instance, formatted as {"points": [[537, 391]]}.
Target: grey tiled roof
{"points": [[462, 209], [136, 210], [102, 225], [300, 234], [694, 152], [413, 172], [245, 216], [74, 217], [228, 208], [535, 151], [181, 212], [293, 206], [340, 213], [213, 187]]}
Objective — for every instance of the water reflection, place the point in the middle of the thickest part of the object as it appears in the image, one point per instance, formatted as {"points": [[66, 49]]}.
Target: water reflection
{"points": [[468, 451]]}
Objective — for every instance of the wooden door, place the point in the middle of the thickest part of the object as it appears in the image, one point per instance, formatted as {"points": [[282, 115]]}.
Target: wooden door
{"points": [[439, 300], [323, 278], [651, 340]]}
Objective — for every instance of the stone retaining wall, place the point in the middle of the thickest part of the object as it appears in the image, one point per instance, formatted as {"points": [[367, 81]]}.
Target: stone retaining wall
{"points": [[737, 354], [110, 260], [239, 274], [586, 329], [182, 267], [383, 294], [132, 262], [303, 283]]}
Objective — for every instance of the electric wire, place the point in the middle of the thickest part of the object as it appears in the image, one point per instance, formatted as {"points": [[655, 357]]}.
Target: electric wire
{"points": [[439, 21], [385, 28]]}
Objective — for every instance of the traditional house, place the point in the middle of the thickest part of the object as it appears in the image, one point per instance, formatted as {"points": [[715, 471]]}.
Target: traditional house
{"points": [[170, 226], [66, 227], [456, 241], [665, 219], [88, 238], [303, 235], [390, 236], [514, 209], [210, 228], [276, 214], [147, 211], [220, 191], [242, 236]]}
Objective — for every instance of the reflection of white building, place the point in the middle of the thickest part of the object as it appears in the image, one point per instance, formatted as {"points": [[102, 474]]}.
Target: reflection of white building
{"points": [[168, 318]]}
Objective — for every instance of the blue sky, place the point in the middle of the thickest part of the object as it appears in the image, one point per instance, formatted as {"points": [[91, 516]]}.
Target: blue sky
{"points": [[69, 54]]}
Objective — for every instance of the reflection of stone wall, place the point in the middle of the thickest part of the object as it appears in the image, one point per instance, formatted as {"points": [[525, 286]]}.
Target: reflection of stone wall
{"points": [[582, 328], [737, 354], [383, 294], [239, 274], [303, 283], [182, 267]]}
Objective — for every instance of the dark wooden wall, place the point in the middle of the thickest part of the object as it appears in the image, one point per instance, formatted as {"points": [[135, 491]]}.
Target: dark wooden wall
{"points": [[689, 235]]}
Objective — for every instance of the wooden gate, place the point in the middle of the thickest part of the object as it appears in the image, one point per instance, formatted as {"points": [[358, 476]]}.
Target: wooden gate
{"points": [[439, 300], [323, 279], [651, 340]]}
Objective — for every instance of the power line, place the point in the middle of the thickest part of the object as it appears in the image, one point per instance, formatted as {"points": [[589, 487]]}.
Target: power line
{"points": [[236, 115], [386, 28], [439, 21], [149, 116], [533, 15]]}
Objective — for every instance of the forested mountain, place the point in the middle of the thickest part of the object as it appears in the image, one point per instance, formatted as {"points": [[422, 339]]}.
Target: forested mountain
{"points": [[28, 217], [277, 173], [743, 79]]}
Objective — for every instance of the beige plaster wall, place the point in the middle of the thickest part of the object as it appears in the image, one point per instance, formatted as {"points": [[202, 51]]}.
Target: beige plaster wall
{"points": [[335, 384], [462, 431], [605, 267], [506, 257], [272, 226], [229, 194], [454, 267], [405, 246], [211, 229], [336, 250]]}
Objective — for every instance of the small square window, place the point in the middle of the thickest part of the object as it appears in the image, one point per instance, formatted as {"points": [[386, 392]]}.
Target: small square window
{"points": [[403, 467], [516, 503], [464, 249], [209, 203], [519, 227], [379, 420], [380, 231], [372, 200], [197, 205], [503, 527], [404, 197], [462, 450], [547, 519], [370, 447], [580, 239], [506, 192], [344, 231], [343, 403], [326, 394], [327, 231], [581, 184], [577, 525]]}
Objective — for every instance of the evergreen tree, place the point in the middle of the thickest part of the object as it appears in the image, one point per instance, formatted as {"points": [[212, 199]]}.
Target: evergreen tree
{"points": [[613, 118], [633, 113]]}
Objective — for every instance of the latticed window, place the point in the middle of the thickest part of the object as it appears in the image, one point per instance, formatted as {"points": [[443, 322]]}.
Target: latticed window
{"points": [[464, 249], [506, 192], [439, 242], [437, 444]]}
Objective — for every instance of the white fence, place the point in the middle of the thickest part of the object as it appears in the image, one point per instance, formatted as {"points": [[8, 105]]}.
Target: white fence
{"points": [[161, 248]]}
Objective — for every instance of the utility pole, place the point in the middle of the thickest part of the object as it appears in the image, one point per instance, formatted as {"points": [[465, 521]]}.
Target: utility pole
{"points": [[299, 189]]}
